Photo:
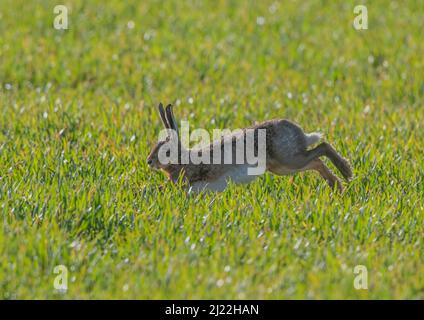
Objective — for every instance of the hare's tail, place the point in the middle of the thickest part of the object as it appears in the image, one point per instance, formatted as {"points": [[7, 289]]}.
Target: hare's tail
{"points": [[312, 138]]}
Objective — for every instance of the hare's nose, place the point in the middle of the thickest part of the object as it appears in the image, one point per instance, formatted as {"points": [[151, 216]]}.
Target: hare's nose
{"points": [[149, 161]]}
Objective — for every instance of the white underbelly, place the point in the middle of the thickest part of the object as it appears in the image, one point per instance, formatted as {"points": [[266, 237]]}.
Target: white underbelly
{"points": [[237, 174], [284, 171]]}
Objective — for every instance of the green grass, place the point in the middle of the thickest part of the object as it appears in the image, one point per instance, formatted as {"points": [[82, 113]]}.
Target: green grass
{"points": [[78, 118]]}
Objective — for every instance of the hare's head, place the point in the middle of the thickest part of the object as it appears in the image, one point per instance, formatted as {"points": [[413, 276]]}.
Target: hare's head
{"points": [[159, 158]]}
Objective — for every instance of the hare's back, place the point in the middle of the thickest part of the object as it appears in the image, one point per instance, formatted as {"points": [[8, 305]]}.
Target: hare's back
{"points": [[287, 137]]}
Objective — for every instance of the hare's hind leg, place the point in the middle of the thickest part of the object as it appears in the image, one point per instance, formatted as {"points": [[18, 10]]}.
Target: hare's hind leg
{"points": [[324, 149], [325, 172]]}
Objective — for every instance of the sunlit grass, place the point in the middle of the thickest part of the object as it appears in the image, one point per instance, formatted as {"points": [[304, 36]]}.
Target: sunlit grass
{"points": [[79, 117]]}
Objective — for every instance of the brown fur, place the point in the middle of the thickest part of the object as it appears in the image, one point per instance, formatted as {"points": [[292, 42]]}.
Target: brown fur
{"points": [[286, 153]]}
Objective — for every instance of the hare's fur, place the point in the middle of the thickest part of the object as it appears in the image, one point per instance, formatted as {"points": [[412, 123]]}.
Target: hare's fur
{"points": [[286, 153]]}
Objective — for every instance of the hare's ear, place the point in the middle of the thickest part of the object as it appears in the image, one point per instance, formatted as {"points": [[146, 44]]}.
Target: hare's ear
{"points": [[170, 117], [163, 116]]}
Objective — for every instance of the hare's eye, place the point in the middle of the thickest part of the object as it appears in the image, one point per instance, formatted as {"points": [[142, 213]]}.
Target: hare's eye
{"points": [[168, 153]]}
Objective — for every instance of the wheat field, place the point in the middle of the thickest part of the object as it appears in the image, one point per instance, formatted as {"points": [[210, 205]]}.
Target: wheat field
{"points": [[78, 119]]}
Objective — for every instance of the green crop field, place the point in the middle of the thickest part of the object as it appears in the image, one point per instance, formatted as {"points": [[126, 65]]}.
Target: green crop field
{"points": [[78, 119]]}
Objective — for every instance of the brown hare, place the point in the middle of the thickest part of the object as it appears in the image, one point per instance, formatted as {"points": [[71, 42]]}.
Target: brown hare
{"points": [[285, 150]]}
